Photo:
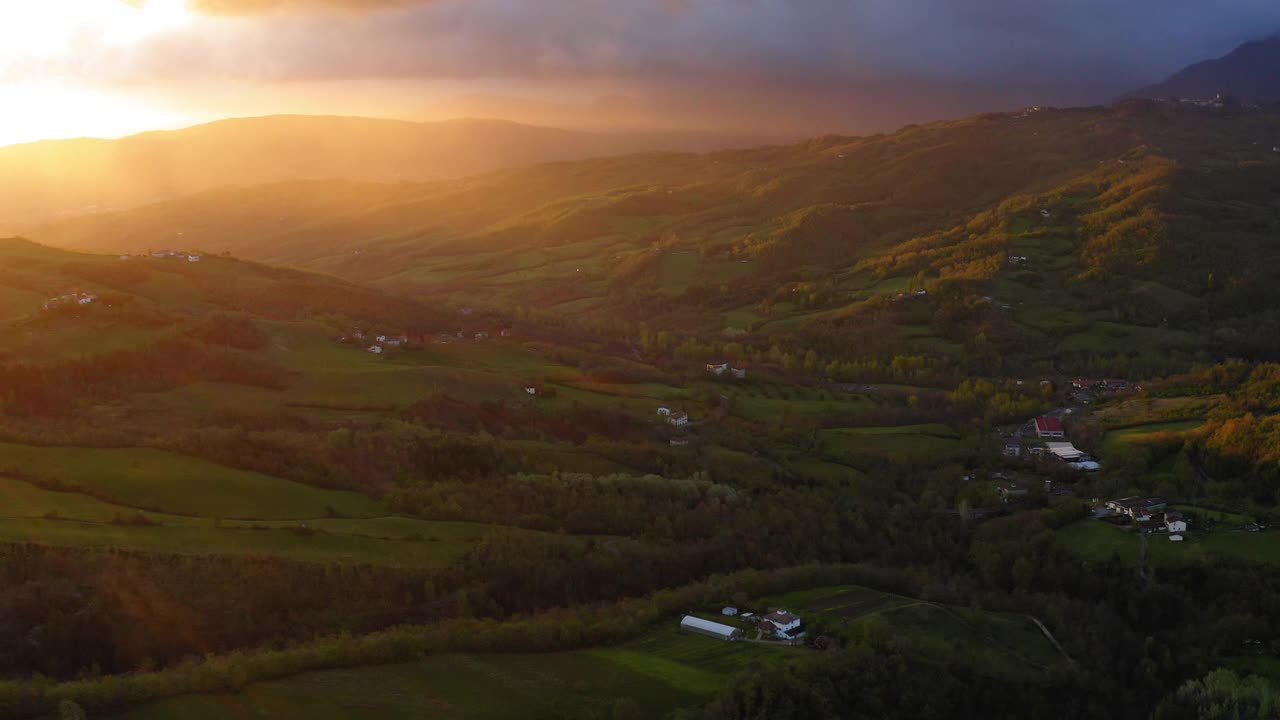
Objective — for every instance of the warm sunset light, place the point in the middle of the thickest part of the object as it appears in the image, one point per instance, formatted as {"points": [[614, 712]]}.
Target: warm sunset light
{"points": [[44, 45], [631, 359]]}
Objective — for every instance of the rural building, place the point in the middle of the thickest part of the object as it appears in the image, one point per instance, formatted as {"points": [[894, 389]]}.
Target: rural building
{"points": [[1175, 522], [1012, 492], [531, 390], [1086, 465], [1084, 384], [783, 622], [1136, 507], [1013, 450], [1175, 538], [729, 611], [1048, 427], [193, 258], [679, 419], [712, 629], [717, 368], [376, 349], [665, 411], [482, 335], [1045, 213], [739, 373], [1064, 451], [679, 442]]}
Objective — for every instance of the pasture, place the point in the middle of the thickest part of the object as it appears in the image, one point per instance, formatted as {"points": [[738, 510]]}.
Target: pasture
{"points": [[35, 515], [652, 675], [930, 444], [168, 482]]}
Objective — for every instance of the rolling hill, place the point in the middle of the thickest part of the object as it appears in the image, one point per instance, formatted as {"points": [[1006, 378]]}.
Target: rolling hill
{"points": [[57, 178], [1053, 233], [1251, 72]]}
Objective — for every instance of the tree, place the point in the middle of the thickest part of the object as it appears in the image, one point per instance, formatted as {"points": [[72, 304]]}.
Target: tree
{"points": [[71, 710]]}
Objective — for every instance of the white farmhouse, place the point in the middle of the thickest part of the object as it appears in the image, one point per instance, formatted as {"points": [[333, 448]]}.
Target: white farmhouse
{"points": [[679, 419], [376, 349], [1175, 522], [783, 622]]}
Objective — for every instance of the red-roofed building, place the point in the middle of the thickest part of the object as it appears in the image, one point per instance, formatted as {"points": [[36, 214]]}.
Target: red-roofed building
{"points": [[1047, 427]]}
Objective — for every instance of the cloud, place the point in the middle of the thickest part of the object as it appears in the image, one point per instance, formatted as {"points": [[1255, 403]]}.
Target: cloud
{"points": [[838, 60], [258, 7]]}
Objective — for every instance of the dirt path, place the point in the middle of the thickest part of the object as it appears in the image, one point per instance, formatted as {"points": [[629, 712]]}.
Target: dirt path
{"points": [[1053, 640]]}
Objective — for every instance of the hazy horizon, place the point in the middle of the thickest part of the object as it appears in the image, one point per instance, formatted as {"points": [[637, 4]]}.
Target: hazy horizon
{"points": [[112, 68]]}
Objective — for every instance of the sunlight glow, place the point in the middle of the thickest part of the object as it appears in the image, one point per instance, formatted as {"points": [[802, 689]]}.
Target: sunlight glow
{"points": [[40, 39]]}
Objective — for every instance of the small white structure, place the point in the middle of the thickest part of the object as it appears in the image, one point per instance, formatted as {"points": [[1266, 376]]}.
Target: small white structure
{"points": [[665, 411], [679, 419], [376, 349], [193, 258], [1175, 538], [729, 611], [717, 368], [739, 373], [381, 338], [531, 390], [711, 629], [1045, 213], [1175, 522]]}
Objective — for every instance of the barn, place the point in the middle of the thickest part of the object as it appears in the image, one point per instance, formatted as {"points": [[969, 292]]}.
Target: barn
{"points": [[712, 629]]}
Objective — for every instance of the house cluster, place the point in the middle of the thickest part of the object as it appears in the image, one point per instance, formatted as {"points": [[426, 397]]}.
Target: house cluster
{"points": [[176, 255], [674, 418], [910, 295], [720, 369], [1087, 390], [478, 336], [1016, 260], [82, 298], [1151, 512], [1050, 443]]}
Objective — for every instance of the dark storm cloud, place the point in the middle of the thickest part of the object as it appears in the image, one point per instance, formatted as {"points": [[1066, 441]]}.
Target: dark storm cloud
{"points": [[921, 53]]}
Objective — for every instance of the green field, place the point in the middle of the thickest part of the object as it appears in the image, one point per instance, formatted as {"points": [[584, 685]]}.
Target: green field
{"points": [[909, 443], [1098, 542], [1005, 644], [32, 514], [659, 672], [168, 482], [1121, 440]]}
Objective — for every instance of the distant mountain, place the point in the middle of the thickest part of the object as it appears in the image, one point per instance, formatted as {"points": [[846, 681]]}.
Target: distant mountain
{"points": [[1250, 72], [1140, 228], [46, 180]]}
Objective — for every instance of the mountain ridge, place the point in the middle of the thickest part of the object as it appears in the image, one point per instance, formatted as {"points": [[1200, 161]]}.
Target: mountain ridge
{"points": [[1250, 72], [58, 178]]}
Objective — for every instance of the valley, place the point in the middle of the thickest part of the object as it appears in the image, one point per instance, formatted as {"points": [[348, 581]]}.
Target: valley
{"points": [[474, 447]]}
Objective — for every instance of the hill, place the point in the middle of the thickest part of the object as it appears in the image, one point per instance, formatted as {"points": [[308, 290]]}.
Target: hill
{"points": [[1054, 234], [50, 179], [1251, 72]]}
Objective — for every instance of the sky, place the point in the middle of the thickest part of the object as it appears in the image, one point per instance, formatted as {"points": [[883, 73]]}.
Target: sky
{"points": [[781, 67]]}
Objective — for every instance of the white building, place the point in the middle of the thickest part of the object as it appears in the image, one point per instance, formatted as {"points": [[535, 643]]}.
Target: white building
{"points": [[665, 411], [531, 390], [1064, 451], [679, 419], [717, 368], [783, 621], [376, 349], [1175, 522], [712, 629], [193, 258], [729, 611]]}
